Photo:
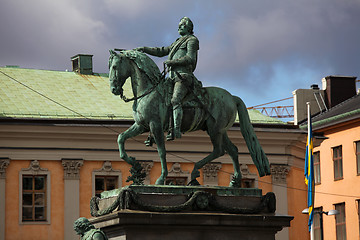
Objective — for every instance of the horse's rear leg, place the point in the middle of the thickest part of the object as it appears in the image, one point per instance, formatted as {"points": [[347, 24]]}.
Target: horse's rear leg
{"points": [[232, 150], [157, 131], [218, 151], [133, 131]]}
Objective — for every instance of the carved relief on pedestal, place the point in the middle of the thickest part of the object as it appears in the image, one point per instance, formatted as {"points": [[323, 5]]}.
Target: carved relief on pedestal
{"points": [[279, 173], [72, 168], [210, 172], [4, 163]]}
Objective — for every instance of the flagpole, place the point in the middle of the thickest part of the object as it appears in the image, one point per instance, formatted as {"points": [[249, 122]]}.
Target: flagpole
{"points": [[308, 117], [312, 234]]}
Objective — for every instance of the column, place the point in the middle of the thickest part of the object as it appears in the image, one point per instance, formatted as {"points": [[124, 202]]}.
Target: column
{"points": [[4, 163], [279, 173], [71, 195]]}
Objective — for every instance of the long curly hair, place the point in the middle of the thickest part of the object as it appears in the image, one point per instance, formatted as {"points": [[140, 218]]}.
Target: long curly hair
{"points": [[83, 224]]}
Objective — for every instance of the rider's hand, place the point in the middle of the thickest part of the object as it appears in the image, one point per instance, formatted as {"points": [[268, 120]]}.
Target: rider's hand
{"points": [[139, 49]]}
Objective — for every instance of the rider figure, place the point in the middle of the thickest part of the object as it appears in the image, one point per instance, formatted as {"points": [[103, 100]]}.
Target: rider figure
{"points": [[182, 63]]}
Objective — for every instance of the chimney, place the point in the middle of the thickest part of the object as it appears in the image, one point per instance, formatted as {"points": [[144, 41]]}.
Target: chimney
{"points": [[338, 89], [314, 96], [82, 64]]}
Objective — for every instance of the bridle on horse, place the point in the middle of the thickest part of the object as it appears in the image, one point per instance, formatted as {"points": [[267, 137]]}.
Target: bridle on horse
{"points": [[162, 77]]}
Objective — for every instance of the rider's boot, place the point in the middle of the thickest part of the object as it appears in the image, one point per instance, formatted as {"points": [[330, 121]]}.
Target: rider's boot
{"points": [[178, 114], [170, 135]]}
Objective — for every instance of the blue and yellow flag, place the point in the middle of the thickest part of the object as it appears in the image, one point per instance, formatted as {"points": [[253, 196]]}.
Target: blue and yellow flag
{"points": [[309, 174]]}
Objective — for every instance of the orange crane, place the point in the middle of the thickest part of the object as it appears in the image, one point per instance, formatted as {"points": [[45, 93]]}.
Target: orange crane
{"points": [[276, 111]]}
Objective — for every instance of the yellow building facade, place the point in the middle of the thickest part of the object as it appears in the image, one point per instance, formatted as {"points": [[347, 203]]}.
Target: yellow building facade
{"points": [[58, 151], [337, 168]]}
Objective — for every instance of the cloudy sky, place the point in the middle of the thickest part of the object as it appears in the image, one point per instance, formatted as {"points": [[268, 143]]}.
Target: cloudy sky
{"points": [[259, 50]]}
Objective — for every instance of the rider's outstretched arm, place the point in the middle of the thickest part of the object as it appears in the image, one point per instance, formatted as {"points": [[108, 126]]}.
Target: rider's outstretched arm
{"points": [[155, 51]]}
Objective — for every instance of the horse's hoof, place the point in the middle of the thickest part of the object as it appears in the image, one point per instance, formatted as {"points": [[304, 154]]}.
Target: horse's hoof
{"points": [[194, 182], [160, 181], [235, 184], [195, 174]]}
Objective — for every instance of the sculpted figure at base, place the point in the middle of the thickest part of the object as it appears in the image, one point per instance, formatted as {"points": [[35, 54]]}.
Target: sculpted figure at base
{"points": [[87, 231], [182, 63], [151, 106]]}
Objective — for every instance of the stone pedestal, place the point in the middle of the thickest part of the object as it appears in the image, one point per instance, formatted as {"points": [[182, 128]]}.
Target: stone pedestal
{"points": [[174, 212], [136, 225]]}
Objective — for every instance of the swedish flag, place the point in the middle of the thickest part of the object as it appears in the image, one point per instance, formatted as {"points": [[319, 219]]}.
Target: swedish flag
{"points": [[309, 172]]}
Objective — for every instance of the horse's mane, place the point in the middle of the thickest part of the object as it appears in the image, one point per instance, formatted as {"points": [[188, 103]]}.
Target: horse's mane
{"points": [[145, 64]]}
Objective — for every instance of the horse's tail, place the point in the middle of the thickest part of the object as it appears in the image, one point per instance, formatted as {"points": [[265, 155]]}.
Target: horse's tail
{"points": [[257, 154]]}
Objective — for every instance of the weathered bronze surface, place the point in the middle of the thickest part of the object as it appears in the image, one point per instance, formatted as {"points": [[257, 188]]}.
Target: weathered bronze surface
{"points": [[185, 199], [181, 97], [87, 231], [182, 63]]}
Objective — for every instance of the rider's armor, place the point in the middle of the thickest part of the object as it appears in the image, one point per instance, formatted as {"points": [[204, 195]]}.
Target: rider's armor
{"points": [[183, 56]]}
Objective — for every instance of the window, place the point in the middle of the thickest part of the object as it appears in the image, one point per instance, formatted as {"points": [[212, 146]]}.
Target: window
{"points": [[337, 158], [340, 222], [358, 211], [317, 168], [357, 145], [317, 223], [179, 181], [105, 183], [105, 179], [34, 187], [33, 198], [177, 176], [247, 183]]}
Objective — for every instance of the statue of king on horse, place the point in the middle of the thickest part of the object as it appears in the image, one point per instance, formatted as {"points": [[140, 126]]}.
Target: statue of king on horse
{"points": [[181, 63], [180, 104]]}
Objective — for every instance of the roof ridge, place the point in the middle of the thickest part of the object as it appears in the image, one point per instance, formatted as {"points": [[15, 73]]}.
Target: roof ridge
{"points": [[336, 106]]}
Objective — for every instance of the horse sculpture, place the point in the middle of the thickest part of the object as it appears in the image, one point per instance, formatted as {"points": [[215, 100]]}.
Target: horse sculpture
{"points": [[151, 114]]}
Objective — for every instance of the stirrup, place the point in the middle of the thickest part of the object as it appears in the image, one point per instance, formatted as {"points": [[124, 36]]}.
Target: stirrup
{"points": [[149, 141], [170, 136]]}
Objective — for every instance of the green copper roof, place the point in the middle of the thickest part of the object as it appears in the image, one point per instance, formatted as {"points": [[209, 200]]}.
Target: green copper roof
{"points": [[44, 94]]}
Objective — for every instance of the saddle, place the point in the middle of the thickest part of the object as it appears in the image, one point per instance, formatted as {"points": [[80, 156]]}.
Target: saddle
{"points": [[194, 107]]}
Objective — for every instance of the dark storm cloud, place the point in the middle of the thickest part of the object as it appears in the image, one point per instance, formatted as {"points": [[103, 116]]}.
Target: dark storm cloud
{"points": [[260, 50]]}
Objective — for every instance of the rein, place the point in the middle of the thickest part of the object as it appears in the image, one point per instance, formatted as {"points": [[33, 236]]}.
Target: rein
{"points": [[125, 99]]}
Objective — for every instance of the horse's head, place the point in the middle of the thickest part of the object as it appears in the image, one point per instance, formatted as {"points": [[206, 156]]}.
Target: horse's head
{"points": [[119, 71]]}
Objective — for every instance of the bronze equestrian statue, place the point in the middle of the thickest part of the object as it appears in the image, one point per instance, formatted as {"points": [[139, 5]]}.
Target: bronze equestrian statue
{"points": [[152, 103]]}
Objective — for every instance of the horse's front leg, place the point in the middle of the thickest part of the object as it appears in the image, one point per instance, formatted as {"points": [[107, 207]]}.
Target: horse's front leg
{"points": [[157, 131], [133, 131]]}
